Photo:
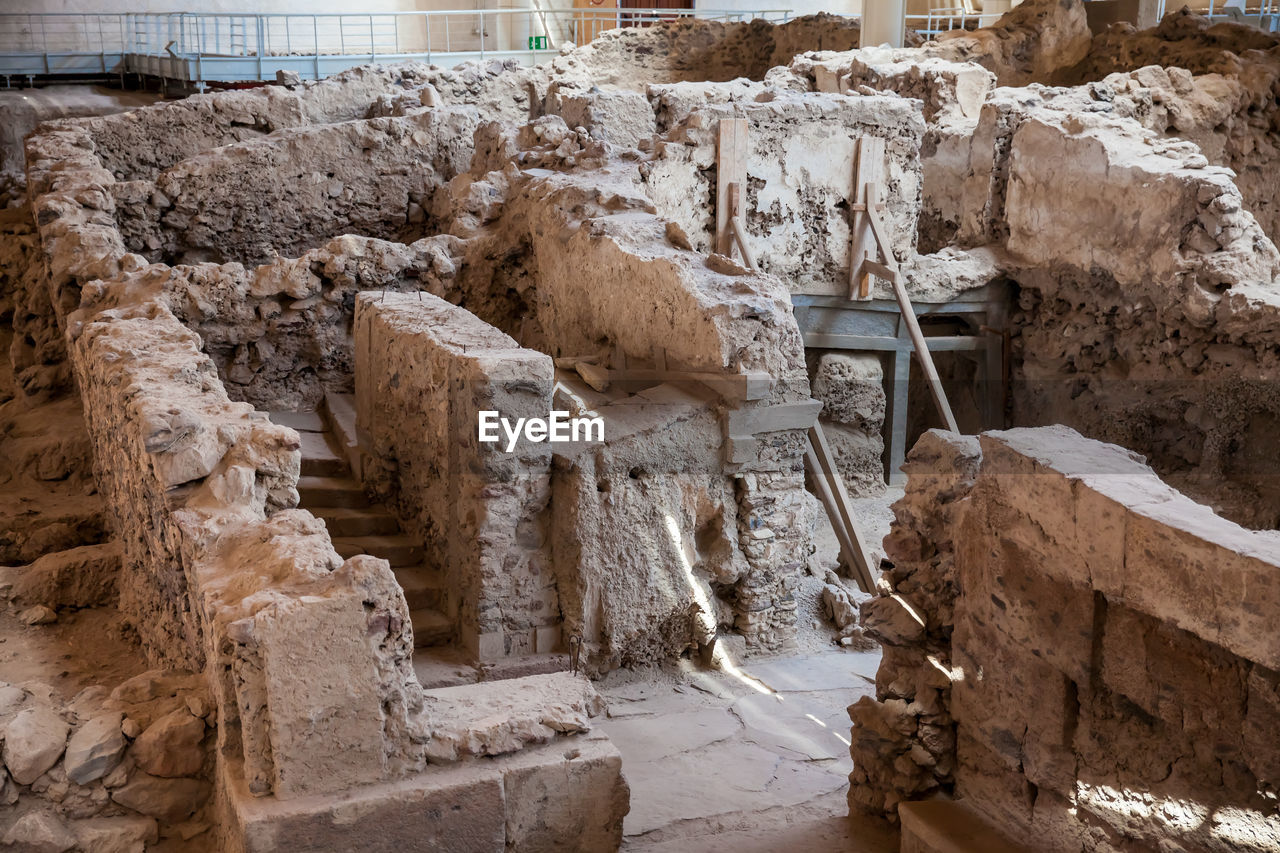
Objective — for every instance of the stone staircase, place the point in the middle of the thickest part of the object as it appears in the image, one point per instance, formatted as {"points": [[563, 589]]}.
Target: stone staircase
{"points": [[357, 525]]}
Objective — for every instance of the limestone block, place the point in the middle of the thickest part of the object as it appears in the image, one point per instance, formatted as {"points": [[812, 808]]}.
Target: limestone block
{"points": [[33, 742], [1191, 685], [170, 746], [95, 749], [621, 118], [851, 388], [79, 577], [563, 796], [39, 832], [115, 834], [990, 706], [577, 804], [322, 693]]}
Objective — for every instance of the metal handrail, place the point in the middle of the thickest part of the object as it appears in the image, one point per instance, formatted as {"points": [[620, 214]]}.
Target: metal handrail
{"points": [[939, 21]]}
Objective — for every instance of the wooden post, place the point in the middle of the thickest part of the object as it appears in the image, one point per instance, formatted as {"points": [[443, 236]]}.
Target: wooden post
{"points": [[731, 168], [868, 169], [922, 353], [832, 492]]}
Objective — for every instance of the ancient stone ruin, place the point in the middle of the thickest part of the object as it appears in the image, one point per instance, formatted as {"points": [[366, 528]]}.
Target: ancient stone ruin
{"points": [[462, 459]]}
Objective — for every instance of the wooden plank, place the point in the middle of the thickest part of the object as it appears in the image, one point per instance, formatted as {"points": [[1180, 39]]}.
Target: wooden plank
{"points": [[740, 235], [861, 557], [847, 549], [881, 233], [868, 169], [731, 168], [941, 343], [760, 419], [879, 270], [920, 343]]}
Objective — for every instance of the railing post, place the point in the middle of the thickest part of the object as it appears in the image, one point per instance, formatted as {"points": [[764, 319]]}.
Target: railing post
{"points": [[481, 36], [200, 54], [373, 45], [262, 43]]}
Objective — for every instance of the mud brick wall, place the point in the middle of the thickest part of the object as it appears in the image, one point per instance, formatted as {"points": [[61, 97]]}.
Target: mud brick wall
{"points": [[1074, 648], [424, 371]]}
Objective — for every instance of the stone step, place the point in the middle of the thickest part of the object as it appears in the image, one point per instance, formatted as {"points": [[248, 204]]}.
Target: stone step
{"points": [[301, 421], [423, 587], [430, 628], [948, 826], [330, 491], [318, 458], [398, 550], [346, 522], [339, 413]]}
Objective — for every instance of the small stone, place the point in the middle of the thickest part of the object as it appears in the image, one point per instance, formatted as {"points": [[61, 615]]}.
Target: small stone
{"points": [[116, 778], [39, 832], [198, 706], [95, 749], [677, 237], [38, 615], [33, 743], [170, 746], [131, 728]]}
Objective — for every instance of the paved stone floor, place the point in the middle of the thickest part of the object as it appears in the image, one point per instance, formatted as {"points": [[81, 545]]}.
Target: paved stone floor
{"points": [[753, 761]]}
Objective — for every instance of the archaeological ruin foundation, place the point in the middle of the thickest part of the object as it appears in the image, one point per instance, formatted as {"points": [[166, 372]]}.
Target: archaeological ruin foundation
{"points": [[539, 458]]}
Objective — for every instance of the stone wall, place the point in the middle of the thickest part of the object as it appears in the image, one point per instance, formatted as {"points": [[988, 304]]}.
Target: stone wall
{"points": [[370, 177], [424, 371], [300, 649], [799, 167], [1074, 648], [1210, 83]]}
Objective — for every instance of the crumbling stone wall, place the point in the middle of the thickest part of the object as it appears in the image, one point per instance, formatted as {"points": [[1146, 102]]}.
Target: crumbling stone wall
{"points": [[1211, 83], [425, 370], [1076, 649], [800, 171], [370, 177], [300, 649], [1164, 350]]}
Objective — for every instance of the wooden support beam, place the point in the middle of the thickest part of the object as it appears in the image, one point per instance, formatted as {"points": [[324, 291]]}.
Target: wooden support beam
{"points": [[753, 421], [740, 236], [868, 168], [921, 346], [731, 168], [835, 498], [879, 270]]}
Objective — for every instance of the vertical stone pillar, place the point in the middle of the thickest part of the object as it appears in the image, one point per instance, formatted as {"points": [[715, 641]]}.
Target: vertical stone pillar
{"points": [[883, 22]]}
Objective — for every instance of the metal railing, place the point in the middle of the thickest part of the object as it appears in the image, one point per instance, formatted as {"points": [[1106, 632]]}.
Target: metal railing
{"points": [[61, 44], [1257, 13], [940, 21], [198, 48]]}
